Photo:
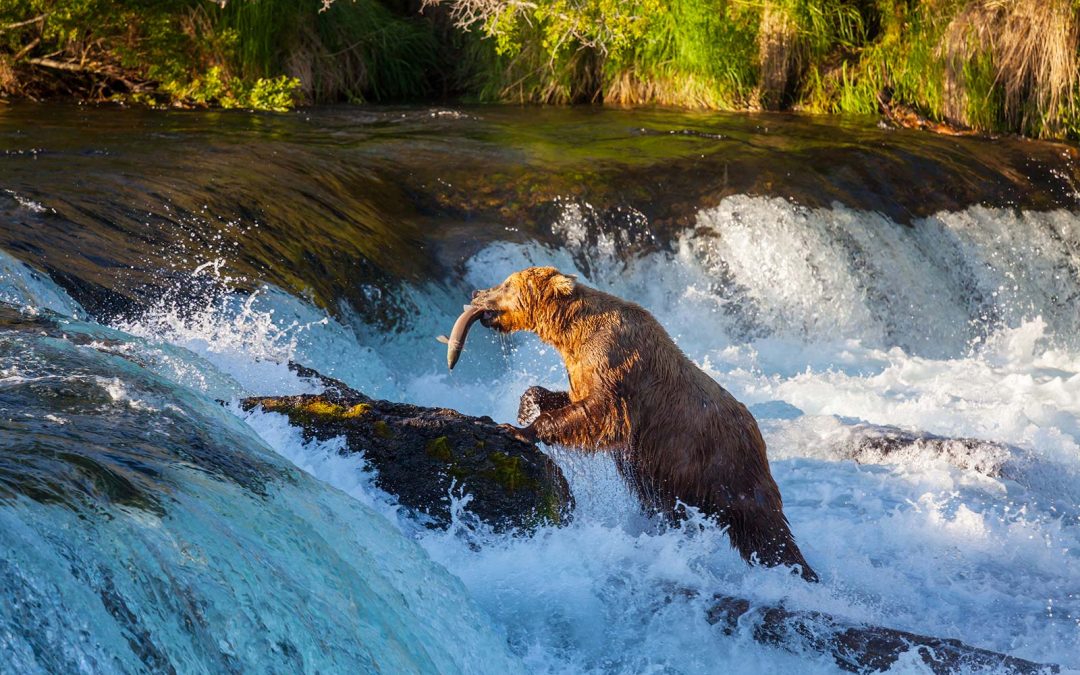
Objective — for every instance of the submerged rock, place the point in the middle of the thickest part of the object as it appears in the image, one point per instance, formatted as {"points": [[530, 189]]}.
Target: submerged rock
{"points": [[874, 444], [859, 648], [419, 453]]}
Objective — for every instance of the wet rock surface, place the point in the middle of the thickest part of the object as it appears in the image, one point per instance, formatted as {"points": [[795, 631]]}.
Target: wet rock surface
{"points": [[860, 648], [873, 444], [420, 453]]}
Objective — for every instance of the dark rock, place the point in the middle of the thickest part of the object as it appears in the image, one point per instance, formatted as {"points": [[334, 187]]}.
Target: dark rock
{"points": [[859, 648], [418, 453]]}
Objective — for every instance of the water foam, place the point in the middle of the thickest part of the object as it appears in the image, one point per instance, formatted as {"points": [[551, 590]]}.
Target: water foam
{"points": [[956, 325], [250, 338]]}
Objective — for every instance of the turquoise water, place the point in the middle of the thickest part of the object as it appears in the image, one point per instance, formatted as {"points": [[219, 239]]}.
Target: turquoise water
{"points": [[147, 528]]}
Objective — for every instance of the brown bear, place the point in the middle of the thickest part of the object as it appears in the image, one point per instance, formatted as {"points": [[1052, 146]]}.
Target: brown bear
{"points": [[677, 435]]}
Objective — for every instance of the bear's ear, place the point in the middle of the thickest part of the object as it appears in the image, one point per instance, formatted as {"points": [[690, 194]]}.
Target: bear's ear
{"points": [[563, 284]]}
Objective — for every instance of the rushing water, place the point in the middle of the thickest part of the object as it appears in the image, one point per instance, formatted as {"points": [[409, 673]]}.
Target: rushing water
{"points": [[832, 276]]}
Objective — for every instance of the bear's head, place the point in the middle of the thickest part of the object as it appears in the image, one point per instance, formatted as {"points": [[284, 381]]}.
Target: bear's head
{"points": [[526, 300]]}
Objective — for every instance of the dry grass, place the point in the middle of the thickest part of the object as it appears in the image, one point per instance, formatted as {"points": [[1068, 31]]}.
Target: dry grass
{"points": [[778, 55], [1030, 50], [627, 88], [9, 82], [326, 75], [1037, 58]]}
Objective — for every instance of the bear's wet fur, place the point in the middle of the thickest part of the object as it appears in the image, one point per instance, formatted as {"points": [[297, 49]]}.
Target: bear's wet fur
{"points": [[678, 436]]}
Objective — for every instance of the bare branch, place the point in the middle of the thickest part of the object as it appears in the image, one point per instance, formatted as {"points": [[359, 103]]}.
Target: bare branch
{"points": [[88, 68], [20, 24], [27, 49], [468, 13]]}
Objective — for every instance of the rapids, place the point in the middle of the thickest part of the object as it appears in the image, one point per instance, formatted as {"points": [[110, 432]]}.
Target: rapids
{"points": [[168, 261]]}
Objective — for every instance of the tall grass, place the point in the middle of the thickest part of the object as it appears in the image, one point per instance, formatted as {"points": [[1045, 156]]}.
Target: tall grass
{"points": [[691, 53], [355, 50], [1012, 64], [798, 38], [994, 65], [900, 57]]}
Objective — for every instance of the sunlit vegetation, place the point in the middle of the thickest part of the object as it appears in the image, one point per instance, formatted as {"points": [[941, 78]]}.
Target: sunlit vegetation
{"points": [[987, 65], [261, 54]]}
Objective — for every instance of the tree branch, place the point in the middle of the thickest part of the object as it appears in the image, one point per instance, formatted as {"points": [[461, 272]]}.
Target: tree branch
{"points": [[27, 49], [86, 68], [20, 24]]}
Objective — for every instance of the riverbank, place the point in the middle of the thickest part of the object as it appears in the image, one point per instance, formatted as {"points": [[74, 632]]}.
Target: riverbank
{"points": [[988, 66]]}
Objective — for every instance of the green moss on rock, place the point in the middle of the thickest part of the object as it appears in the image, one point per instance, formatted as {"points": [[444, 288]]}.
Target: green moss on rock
{"points": [[357, 410], [324, 408], [550, 510], [508, 472], [382, 429], [440, 449]]}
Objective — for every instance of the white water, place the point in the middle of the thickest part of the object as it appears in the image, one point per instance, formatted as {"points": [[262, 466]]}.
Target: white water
{"points": [[964, 325]]}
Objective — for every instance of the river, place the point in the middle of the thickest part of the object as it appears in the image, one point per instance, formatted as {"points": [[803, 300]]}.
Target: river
{"points": [[839, 278]]}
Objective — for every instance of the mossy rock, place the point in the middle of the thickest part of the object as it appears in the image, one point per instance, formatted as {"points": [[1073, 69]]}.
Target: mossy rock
{"points": [[418, 453]]}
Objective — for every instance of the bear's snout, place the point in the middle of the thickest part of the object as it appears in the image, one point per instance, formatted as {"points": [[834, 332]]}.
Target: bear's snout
{"points": [[488, 299], [487, 319]]}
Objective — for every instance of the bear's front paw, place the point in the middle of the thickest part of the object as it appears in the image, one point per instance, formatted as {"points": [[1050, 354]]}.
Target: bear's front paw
{"points": [[526, 435], [536, 400], [530, 407]]}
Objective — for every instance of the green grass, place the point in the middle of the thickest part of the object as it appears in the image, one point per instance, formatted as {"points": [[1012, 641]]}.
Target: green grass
{"points": [[690, 52]]}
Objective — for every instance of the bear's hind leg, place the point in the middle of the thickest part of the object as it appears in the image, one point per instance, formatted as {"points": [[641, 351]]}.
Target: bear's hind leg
{"points": [[765, 534]]}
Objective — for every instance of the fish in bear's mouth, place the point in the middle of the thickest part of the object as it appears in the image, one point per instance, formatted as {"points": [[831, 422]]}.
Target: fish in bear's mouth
{"points": [[469, 315]]}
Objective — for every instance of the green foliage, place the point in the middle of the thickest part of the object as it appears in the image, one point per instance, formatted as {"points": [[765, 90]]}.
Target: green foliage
{"points": [[994, 65], [830, 25], [683, 52], [273, 93], [634, 51], [858, 95], [982, 104], [257, 54], [903, 58], [214, 88], [696, 52]]}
